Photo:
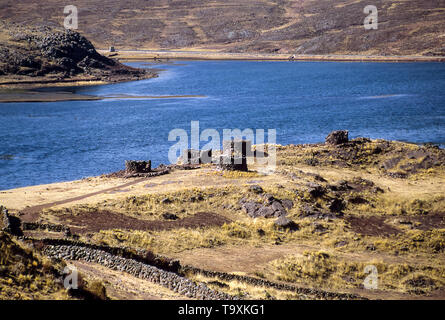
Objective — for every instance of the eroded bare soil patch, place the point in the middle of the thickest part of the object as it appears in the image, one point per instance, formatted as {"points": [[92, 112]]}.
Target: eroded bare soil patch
{"points": [[84, 222], [371, 226]]}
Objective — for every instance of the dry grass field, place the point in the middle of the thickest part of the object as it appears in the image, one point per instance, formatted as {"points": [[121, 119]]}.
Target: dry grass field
{"points": [[367, 202]]}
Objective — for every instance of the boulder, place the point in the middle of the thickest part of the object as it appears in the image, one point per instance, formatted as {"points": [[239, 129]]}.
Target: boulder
{"points": [[337, 137], [287, 203], [169, 216], [315, 190], [336, 205], [256, 209], [251, 208], [265, 212], [278, 209]]}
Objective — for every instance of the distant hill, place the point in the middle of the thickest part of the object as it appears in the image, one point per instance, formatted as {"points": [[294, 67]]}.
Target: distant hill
{"points": [[406, 27]]}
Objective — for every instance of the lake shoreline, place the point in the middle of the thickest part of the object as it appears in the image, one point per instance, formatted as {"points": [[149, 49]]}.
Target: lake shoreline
{"points": [[143, 55], [24, 91], [35, 96]]}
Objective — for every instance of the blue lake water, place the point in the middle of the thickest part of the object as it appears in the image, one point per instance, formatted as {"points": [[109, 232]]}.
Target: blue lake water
{"points": [[303, 101]]}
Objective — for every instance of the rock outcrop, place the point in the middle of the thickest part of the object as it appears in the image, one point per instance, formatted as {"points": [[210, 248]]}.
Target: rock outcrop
{"points": [[337, 137], [271, 207], [63, 54]]}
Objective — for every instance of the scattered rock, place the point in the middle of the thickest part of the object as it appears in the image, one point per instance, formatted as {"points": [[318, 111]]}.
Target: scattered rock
{"points": [[357, 200], [269, 198], [256, 189], [319, 178], [256, 209], [341, 244], [251, 208], [166, 201], [278, 208], [318, 228], [266, 212], [420, 282], [169, 216], [261, 232], [315, 190], [336, 205], [287, 203], [285, 223]]}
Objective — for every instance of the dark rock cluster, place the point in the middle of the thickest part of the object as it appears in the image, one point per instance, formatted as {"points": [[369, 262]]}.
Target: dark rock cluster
{"points": [[270, 207]]}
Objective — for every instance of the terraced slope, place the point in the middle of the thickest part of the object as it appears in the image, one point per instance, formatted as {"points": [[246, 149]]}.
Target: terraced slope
{"points": [[286, 26]]}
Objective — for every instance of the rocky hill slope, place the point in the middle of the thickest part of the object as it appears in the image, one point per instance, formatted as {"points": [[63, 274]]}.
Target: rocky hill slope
{"points": [[44, 54], [286, 26]]}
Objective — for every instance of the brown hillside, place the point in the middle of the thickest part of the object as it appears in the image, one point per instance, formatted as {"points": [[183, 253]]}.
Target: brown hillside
{"points": [[286, 26]]}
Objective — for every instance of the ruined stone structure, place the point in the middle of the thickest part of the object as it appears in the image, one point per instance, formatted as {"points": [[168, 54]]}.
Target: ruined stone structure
{"points": [[132, 166], [235, 153], [191, 156]]}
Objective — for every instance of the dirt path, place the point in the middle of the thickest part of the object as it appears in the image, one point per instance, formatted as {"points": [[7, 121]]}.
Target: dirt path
{"points": [[123, 286], [249, 260], [141, 55], [31, 214]]}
